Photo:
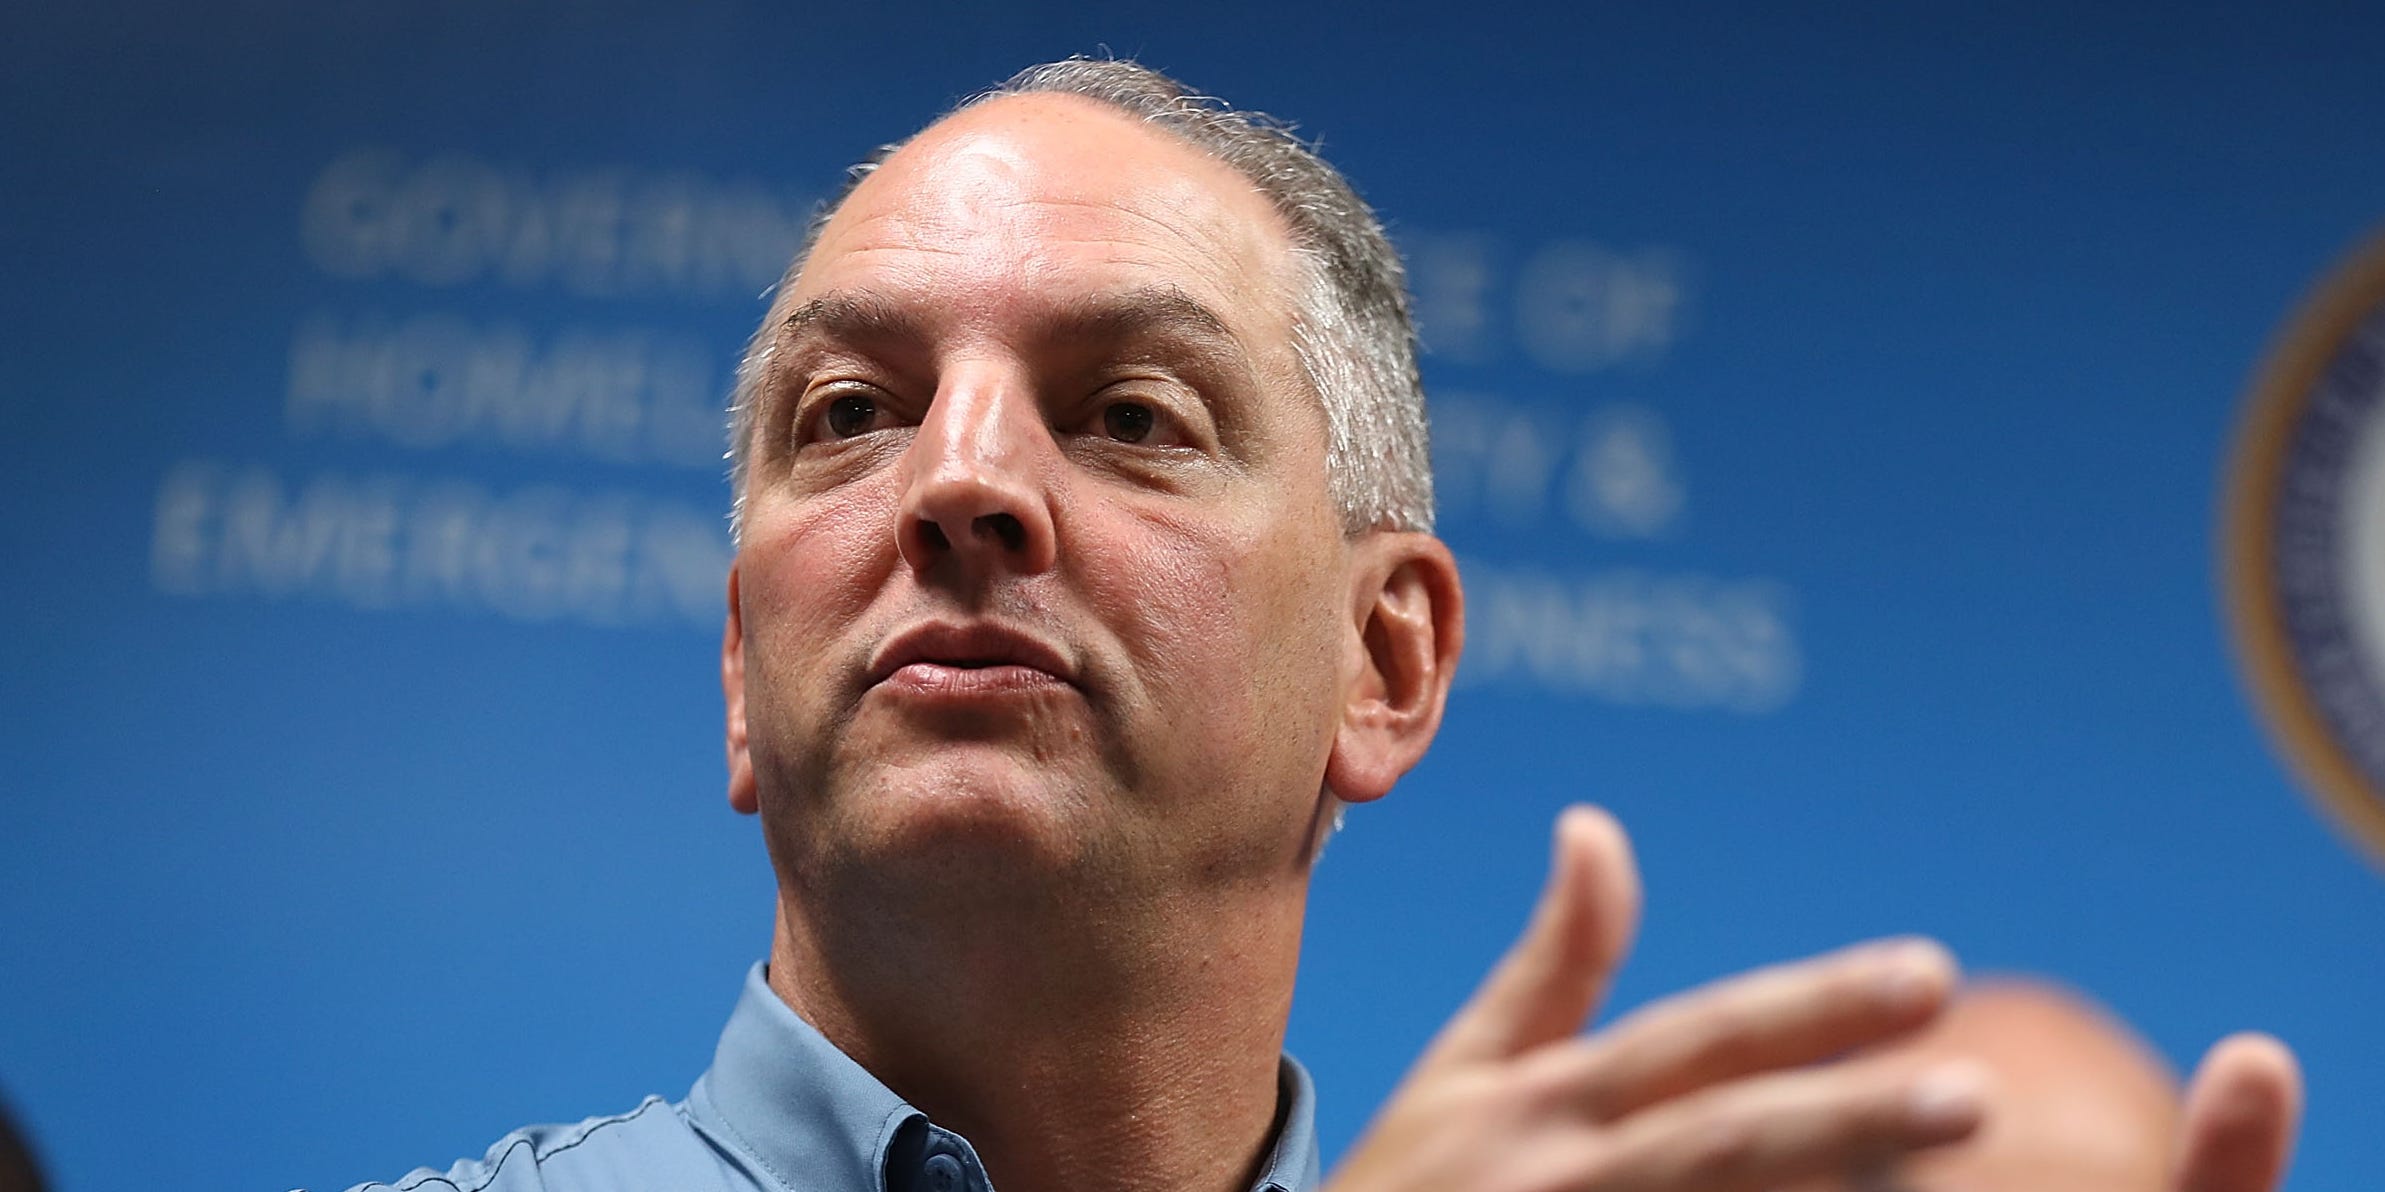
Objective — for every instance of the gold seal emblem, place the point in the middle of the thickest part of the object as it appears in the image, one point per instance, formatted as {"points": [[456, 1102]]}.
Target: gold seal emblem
{"points": [[2303, 548]]}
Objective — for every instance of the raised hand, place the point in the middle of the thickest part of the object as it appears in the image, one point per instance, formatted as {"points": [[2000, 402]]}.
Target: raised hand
{"points": [[2241, 1112], [1710, 1091]]}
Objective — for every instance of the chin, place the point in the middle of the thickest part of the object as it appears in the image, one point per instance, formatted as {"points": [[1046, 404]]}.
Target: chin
{"points": [[973, 811]]}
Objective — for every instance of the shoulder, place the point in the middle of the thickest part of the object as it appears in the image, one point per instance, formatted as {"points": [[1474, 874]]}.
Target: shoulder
{"points": [[651, 1146]]}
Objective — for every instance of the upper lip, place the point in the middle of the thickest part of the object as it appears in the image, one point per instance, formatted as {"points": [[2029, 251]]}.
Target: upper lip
{"points": [[976, 645]]}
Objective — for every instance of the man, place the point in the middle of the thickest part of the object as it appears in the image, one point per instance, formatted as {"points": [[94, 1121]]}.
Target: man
{"points": [[1084, 573], [2081, 1104]]}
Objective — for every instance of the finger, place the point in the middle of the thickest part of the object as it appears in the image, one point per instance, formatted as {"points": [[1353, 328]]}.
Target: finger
{"points": [[1772, 1018], [1548, 983], [2241, 1114], [1788, 1126]]}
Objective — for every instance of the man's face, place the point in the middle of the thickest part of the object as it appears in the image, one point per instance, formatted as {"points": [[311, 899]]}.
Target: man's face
{"points": [[1039, 572]]}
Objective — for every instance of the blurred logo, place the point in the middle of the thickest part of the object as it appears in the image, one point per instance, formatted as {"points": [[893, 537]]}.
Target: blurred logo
{"points": [[2304, 543]]}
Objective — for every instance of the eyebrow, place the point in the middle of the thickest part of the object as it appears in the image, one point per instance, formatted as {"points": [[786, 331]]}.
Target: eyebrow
{"points": [[1162, 311], [1144, 311], [848, 316], [1881, 1181]]}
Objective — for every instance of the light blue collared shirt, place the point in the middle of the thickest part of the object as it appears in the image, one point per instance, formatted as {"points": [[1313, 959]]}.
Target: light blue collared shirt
{"points": [[782, 1110]]}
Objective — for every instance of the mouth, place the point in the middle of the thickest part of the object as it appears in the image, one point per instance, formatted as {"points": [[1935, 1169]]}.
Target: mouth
{"points": [[940, 660]]}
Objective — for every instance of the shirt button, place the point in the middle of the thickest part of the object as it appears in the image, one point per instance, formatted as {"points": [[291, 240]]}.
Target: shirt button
{"points": [[944, 1174]]}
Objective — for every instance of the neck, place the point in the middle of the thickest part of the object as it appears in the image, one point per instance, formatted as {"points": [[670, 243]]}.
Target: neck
{"points": [[1084, 1044]]}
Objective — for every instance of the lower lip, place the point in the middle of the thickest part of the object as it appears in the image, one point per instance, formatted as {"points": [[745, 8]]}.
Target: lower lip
{"points": [[938, 681]]}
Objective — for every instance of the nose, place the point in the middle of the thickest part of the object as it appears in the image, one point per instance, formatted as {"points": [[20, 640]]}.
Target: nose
{"points": [[977, 494]]}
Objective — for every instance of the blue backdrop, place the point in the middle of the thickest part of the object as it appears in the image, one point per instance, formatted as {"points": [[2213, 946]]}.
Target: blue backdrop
{"points": [[1830, 408]]}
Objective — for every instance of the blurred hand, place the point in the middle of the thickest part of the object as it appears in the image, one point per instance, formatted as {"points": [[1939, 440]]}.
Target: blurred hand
{"points": [[1705, 1092], [2241, 1112]]}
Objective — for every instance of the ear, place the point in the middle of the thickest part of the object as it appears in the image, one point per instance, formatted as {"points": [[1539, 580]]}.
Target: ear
{"points": [[742, 793], [1407, 615]]}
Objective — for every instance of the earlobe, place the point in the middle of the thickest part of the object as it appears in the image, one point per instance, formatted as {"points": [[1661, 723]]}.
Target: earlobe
{"points": [[743, 794], [1407, 628]]}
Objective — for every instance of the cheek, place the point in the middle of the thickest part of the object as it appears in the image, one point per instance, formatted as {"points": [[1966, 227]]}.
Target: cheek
{"points": [[1233, 628], [808, 571]]}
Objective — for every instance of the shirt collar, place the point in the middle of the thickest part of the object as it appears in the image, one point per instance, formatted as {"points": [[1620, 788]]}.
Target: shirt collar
{"points": [[1293, 1164], [782, 1098]]}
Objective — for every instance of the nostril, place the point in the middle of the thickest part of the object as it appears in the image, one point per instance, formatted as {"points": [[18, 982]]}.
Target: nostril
{"points": [[933, 535], [1003, 526]]}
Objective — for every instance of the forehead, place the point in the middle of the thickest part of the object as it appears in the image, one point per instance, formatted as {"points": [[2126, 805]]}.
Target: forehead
{"points": [[1034, 198]]}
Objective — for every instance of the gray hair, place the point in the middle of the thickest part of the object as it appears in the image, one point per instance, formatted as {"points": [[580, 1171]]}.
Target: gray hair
{"points": [[1351, 331]]}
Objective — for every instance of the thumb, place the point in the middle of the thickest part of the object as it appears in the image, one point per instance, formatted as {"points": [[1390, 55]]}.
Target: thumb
{"points": [[2241, 1112], [1546, 986]]}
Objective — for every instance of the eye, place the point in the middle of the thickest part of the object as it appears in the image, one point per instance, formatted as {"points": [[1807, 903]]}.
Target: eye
{"points": [[849, 415], [1128, 421]]}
